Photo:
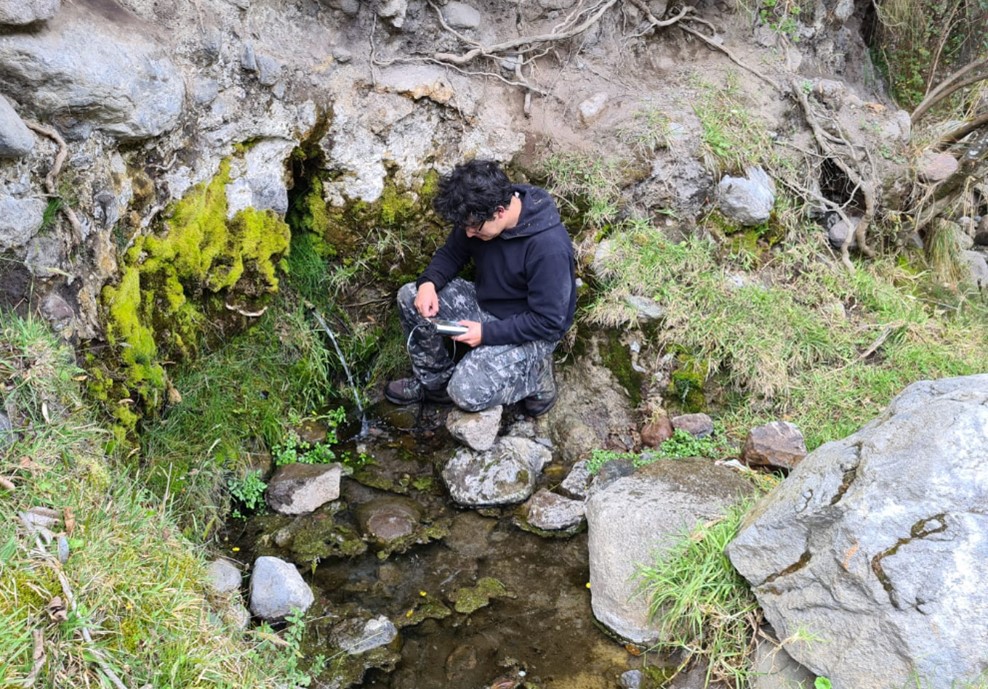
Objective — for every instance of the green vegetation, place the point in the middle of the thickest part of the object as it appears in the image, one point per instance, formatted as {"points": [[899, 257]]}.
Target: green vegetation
{"points": [[589, 186], [702, 607], [733, 137], [916, 44], [237, 402], [805, 340], [649, 131], [681, 445], [146, 615], [168, 296], [248, 492]]}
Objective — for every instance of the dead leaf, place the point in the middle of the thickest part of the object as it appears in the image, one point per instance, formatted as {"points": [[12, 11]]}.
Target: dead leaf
{"points": [[30, 465], [80, 378], [44, 412], [7, 484], [56, 610], [68, 518], [174, 396], [875, 107]]}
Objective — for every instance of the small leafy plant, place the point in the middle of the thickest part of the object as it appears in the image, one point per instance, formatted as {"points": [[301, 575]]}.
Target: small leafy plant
{"points": [[248, 491], [295, 450], [287, 652], [681, 444]]}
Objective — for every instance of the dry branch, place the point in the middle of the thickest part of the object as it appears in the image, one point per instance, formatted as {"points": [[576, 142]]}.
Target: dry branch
{"points": [[734, 58], [956, 135], [970, 74]]}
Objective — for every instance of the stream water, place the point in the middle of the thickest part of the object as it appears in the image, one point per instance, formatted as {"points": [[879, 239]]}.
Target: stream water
{"points": [[540, 630]]}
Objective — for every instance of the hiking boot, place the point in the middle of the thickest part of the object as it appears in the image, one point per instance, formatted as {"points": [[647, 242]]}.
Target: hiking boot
{"points": [[410, 391], [543, 400]]}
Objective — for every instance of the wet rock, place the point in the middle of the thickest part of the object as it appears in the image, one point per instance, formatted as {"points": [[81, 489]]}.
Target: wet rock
{"points": [[634, 517], [878, 544], [977, 268], [16, 140], [358, 636], [388, 519], [469, 536], [21, 12], [656, 432], [592, 108], [613, 470], [503, 475], [303, 488], [592, 409], [697, 425], [936, 167], [87, 73], [747, 200], [632, 679], [551, 512], [778, 444], [577, 481], [460, 662], [773, 668], [20, 219], [276, 589], [223, 576], [460, 15], [476, 430]]}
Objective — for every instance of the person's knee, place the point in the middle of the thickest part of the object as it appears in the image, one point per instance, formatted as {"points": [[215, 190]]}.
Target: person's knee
{"points": [[407, 294], [467, 394]]}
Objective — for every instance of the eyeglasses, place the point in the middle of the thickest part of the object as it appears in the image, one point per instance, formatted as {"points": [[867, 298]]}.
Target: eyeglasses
{"points": [[474, 229]]}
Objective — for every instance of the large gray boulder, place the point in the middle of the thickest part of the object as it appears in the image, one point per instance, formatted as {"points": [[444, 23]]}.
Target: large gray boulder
{"points": [[16, 140], [276, 589], [877, 545], [21, 12], [633, 519], [85, 72]]}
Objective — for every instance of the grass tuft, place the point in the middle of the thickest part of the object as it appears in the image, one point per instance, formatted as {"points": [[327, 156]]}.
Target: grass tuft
{"points": [[702, 607]]}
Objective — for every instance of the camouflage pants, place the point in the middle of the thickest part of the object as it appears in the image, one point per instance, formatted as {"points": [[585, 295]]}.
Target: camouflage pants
{"points": [[487, 375]]}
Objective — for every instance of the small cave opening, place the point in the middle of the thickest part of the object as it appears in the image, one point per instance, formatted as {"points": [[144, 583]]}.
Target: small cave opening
{"points": [[837, 187]]}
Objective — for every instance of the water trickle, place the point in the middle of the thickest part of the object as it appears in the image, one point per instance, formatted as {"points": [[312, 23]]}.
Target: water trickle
{"points": [[364, 425]]}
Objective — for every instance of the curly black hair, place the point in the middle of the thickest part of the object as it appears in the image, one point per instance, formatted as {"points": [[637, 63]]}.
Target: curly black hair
{"points": [[472, 193]]}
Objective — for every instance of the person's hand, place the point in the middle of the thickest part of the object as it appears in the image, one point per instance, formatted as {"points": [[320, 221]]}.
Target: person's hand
{"points": [[472, 335], [426, 301]]}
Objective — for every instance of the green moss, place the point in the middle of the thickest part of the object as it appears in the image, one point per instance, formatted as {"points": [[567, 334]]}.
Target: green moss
{"points": [[686, 385], [617, 358], [469, 600], [164, 298]]}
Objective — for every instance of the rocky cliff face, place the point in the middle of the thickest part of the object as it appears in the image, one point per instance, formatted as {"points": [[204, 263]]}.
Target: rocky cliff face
{"points": [[118, 109]]}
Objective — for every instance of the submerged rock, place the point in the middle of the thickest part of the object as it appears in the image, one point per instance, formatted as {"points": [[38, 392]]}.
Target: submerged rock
{"points": [[469, 599], [503, 475], [633, 519], [358, 636], [878, 545], [388, 519], [303, 488], [276, 589]]}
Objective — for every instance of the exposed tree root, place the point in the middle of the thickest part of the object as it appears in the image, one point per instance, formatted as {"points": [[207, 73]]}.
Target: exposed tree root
{"points": [[867, 188], [52, 176]]}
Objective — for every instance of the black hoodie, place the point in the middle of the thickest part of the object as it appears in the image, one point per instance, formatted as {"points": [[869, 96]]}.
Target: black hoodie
{"points": [[525, 275]]}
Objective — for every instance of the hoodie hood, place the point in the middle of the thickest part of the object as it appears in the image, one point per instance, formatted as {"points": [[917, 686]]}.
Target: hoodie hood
{"points": [[538, 212]]}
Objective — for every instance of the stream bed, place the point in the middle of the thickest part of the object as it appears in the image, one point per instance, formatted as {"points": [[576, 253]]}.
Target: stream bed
{"points": [[478, 601]]}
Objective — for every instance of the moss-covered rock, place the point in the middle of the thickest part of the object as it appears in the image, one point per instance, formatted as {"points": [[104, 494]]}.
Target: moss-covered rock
{"points": [[175, 282]]}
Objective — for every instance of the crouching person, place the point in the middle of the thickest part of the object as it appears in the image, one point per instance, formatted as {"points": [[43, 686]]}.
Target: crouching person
{"points": [[515, 312]]}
